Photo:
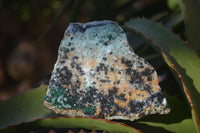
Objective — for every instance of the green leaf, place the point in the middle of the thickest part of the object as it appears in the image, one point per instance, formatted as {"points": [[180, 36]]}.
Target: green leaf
{"points": [[172, 4], [179, 57], [24, 108], [72, 122], [174, 20], [32, 104], [191, 10], [29, 107]]}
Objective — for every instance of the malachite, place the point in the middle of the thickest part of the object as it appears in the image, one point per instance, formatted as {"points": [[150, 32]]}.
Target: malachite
{"points": [[97, 74]]}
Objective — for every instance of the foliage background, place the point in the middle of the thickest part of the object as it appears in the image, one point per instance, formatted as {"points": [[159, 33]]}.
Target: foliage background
{"points": [[30, 32]]}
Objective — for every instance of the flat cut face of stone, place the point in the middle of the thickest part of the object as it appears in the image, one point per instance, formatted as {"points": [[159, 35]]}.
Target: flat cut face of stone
{"points": [[97, 74]]}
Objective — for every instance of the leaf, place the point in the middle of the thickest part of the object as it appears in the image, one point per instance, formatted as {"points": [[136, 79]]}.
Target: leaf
{"points": [[172, 4], [73, 122], [28, 108], [174, 20], [153, 123], [24, 108], [191, 10], [179, 57]]}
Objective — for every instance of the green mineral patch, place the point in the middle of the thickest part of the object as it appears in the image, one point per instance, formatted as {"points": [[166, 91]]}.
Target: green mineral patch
{"points": [[89, 110]]}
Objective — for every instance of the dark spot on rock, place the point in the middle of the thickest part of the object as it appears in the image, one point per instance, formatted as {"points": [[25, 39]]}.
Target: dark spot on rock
{"points": [[135, 77], [124, 111], [112, 69], [147, 88], [113, 91], [128, 71], [106, 77], [136, 81], [148, 101], [75, 58], [121, 97], [102, 67], [62, 62], [76, 87], [104, 81], [136, 106], [104, 58], [80, 69], [61, 76], [63, 52], [119, 72], [147, 72], [91, 92], [140, 65], [105, 43], [110, 37], [77, 27], [69, 44], [66, 75], [73, 65], [149, 78], [107, 103], [160, 98], [146, 62], [127, 62], [110, 53]]}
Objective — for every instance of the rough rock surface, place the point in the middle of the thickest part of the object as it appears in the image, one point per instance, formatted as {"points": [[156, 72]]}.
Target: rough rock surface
{"points": [[98, 74]]}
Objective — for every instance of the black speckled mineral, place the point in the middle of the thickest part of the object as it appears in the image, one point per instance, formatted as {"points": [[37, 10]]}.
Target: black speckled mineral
{"points": [[97, 74]]}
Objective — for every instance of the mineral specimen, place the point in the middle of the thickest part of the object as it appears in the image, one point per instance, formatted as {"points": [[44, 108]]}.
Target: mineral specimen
{"points": [[97, 74]]}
